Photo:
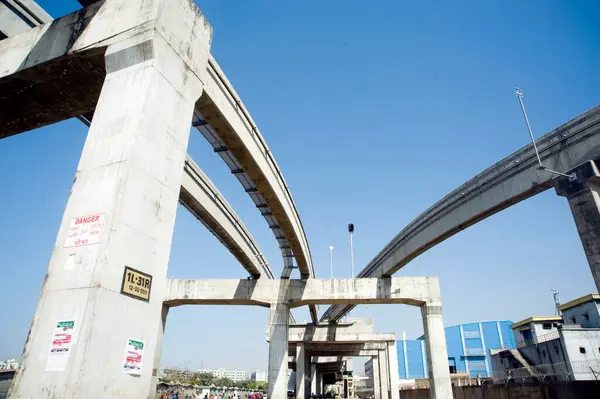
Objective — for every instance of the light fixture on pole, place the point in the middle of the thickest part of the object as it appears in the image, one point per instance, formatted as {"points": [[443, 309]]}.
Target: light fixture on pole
{"points": [[331, 260], [541, 166], [351, 231]]}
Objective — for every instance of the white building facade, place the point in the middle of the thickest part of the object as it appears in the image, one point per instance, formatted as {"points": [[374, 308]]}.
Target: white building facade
{"points": [[233, 374], [563, 347], [260, 376]]}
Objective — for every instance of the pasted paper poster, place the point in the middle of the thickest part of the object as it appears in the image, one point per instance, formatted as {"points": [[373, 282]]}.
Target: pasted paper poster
{"points": [[60, 348], [134, 356]]}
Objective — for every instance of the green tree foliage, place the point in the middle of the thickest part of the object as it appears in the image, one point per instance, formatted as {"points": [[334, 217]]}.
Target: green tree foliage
{"points": [[224, 382], [204, 379], [186, 377]]}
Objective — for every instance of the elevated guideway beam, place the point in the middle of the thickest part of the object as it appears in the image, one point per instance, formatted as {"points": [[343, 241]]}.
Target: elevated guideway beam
{"points": [[203, 200], [227, 125], [513, 179]]}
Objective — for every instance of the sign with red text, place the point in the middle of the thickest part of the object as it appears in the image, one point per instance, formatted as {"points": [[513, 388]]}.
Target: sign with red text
{"points": [[134, 356], [85, 230], [60, 348]]}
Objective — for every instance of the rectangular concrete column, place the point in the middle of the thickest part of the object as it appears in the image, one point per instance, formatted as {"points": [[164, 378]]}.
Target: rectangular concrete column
{"points": [[158, 351], [278, 350], [313, 378], [437, 354], [583, 195], [392, 353], [120, 213], [376, 378], [384, 374], [319, 383], [301, 371]]}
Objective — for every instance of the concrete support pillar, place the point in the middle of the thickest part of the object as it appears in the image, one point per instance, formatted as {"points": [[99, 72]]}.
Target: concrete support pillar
{"points": [[158, 351], [121, 212], [437, 354], [393, 362], [583, 194], [278, 350], [301, 371], [313, 378], [376, 378], [384, 374], [319, 383]]}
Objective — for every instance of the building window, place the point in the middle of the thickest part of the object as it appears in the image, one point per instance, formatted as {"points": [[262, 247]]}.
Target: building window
{"points": [[573, 320], [547, 326], [581, 349], [556, 349], [452, 365], [544, 352], [586, 316]]}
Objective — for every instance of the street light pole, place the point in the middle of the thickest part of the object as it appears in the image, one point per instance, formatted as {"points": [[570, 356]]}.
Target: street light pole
{"points": [[331, 260], [351, 231]]}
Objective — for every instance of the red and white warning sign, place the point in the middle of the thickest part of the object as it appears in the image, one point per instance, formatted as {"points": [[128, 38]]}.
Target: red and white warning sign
{"points": [[85, 230]]}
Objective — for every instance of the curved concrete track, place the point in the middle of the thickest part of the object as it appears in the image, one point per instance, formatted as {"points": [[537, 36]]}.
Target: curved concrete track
{"points": [[513, 179], [199, 196], [227, 125]]}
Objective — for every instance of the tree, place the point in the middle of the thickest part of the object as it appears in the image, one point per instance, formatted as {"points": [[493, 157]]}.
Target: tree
{"points": [[204, 379], [261, 385], [224, 382]]}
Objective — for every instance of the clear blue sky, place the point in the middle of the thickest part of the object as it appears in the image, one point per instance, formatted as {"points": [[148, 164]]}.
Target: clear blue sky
{"points": [[373, 110]]}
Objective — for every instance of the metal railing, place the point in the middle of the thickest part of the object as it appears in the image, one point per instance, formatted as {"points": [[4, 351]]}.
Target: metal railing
{"points": [[577, 370], [537, 340]]}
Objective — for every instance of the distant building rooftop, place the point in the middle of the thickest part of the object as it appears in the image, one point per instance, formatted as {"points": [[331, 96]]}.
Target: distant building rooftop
{"points": [[579, 301], [535, 319]]}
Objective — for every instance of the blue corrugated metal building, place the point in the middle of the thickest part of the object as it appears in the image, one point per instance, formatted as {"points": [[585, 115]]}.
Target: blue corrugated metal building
{"points": [[468, 349]]}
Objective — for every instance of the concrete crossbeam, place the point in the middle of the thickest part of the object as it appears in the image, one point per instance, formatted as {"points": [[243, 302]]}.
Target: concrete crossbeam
{"points": [[414, 291], [337, 348]]}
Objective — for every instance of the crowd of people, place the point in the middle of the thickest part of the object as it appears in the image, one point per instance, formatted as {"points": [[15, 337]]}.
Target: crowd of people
{"points": [[181, 394]]}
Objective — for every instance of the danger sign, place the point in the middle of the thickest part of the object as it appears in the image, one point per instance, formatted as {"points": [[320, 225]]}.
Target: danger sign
{"points": [[85, 230]]}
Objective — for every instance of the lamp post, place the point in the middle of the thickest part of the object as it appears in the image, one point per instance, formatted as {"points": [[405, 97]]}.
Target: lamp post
{"points": [[331, 260], [351, 231]]}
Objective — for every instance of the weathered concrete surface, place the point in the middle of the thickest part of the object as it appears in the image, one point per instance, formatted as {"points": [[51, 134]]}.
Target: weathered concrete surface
{"points": [[302, 370], [278, 350], [81, 75], [19, 16], [583, 195], [513, 179], [320, 346], [198, 193], [384, 374], [392, 353], [406, 290], [80, 80], [437, 354], [376, 377], [200, 196], [130, 173], [55, 71]]}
